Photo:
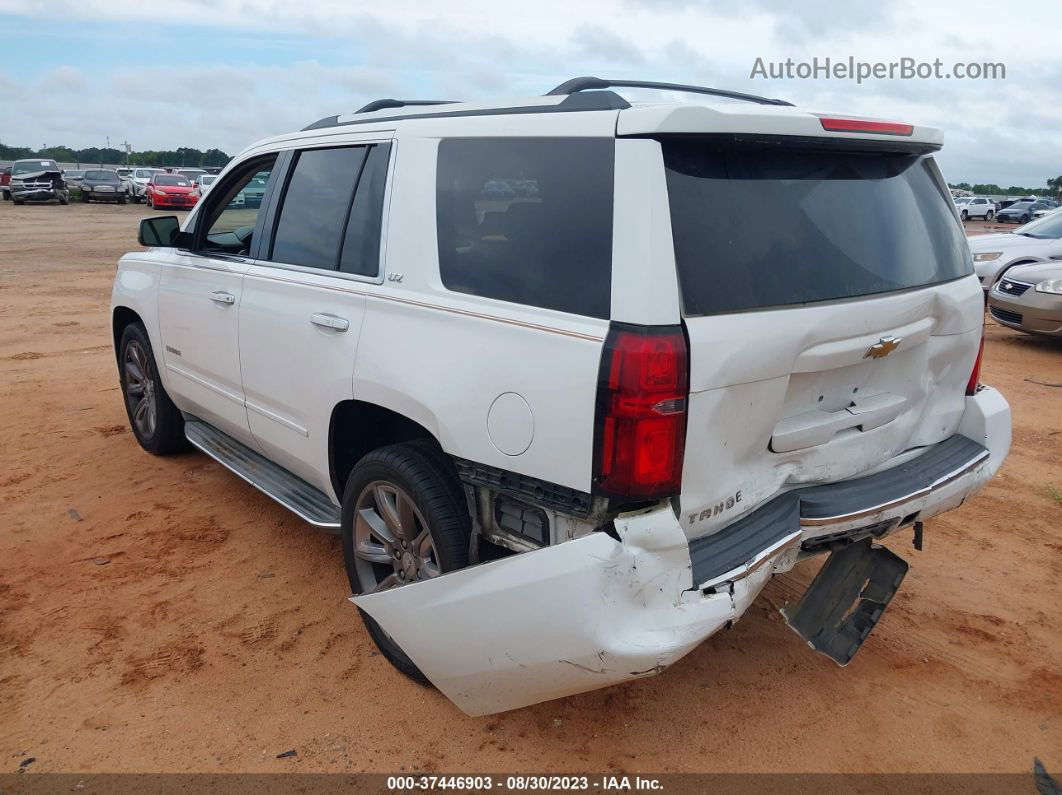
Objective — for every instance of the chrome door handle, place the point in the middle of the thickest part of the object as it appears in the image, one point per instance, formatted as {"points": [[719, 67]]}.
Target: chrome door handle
{"points": [[222, 297], [329, 321]]}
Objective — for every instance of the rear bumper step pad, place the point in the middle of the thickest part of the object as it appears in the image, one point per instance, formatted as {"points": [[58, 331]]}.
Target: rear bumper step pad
{"points": [[846, 599], [782, 518]]}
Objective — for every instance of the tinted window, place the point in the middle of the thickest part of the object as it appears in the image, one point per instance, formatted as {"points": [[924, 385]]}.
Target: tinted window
{"points": [[361, 243], [757, 227], [101, 176], [316, 203], [528, 220]]}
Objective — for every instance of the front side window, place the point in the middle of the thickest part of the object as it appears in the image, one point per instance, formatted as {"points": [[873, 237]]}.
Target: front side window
{"points": [[758, 227], [528, 220], [231, 210]]}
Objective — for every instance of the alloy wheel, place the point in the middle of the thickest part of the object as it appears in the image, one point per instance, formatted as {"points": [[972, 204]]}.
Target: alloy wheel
{"points": [[140, 390], [392, 543]]}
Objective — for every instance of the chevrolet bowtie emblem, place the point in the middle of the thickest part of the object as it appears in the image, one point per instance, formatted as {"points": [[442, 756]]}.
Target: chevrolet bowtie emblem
{"points": [[882, 348]]}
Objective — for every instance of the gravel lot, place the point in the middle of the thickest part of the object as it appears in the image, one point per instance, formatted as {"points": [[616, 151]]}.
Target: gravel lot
{"points": [[161, 615]]}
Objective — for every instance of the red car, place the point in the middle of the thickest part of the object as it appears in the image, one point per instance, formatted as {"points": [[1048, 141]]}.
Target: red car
{"points": [[169, 190]]}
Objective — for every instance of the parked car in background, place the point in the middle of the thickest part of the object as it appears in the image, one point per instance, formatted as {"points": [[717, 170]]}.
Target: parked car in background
{"points": [[5, 180], [976, 207], [73, 177], [138, 181], [36, 179], [254, 192], [169, 190], [202, 182], [1021, 212], [1046, 210], [190, 173], [1038, 241], [1029, 298], [702, 386], [103, 184]]}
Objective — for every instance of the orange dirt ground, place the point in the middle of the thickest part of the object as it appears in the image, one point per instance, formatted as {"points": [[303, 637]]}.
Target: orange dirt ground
{"points": [[161, 615]]}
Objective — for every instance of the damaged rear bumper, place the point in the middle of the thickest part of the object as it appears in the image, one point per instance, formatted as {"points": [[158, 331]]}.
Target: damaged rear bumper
{"points": [[564, 619], [600, 610]]}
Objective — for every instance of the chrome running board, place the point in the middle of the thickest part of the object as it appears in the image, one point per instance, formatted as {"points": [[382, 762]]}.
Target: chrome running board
{"points": [[292, 492]]}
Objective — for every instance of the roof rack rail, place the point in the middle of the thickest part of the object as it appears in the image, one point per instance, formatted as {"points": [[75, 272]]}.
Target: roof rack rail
{"points": [[383, 104], [588, 83]]}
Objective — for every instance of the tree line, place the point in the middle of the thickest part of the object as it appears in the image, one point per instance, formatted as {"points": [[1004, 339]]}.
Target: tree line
{"points": [[182, 156], [1053, 189]]}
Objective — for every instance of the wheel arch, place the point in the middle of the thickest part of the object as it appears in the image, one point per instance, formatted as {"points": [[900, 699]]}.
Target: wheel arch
{"points": [[357, 427], [121, 317]]}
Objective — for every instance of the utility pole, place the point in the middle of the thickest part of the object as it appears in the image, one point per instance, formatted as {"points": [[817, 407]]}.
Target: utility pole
{"points": [[101, 153]]}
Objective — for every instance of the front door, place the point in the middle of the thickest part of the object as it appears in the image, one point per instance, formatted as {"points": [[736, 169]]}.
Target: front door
{"points": [[200, 294]]}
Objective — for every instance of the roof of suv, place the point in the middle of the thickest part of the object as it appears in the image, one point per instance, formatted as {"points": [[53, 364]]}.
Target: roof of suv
{"points": [[727, 113]]}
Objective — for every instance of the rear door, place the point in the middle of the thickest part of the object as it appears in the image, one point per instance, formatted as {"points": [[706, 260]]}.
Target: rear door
{"points": [[304, 300], [832, 315]]}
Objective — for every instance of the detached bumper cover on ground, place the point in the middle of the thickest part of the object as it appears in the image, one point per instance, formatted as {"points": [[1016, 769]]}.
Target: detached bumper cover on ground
{"points": [[596, 611]]}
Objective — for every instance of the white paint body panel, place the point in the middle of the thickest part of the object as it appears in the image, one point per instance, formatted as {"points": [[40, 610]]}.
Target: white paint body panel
{"points": [[1012, 249], [504, 634], [204, 378]]}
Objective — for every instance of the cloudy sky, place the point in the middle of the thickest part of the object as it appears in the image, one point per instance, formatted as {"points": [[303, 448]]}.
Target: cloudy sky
{"points": [[223, 73]]}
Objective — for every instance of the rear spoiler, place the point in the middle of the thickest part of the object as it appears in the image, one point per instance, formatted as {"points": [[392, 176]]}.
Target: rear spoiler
{"points": [[777, 125]]}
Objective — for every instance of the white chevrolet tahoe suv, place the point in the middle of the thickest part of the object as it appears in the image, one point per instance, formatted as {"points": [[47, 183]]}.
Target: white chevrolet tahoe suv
{"points": [[567, 400]]}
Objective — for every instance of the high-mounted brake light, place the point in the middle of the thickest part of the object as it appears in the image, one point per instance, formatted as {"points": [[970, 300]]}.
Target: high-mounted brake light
{"points": [[975, 376], [861, 125], [640, 427]]}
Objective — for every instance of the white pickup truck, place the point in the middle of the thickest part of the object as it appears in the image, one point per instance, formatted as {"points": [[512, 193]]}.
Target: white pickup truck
{"points": [[568, 402]]}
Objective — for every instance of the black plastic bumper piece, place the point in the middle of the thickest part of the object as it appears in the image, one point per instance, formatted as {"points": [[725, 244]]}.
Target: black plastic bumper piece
{"points": [[741, 541], [899, 483], [846, 599]]}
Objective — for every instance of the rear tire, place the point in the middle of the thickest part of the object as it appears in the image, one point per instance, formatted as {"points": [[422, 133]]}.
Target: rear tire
{"points": [[964, 215], [156, 423], [436, 509], [988, 215]]}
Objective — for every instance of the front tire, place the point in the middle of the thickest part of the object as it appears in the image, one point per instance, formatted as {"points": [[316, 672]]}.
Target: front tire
{"points": [[404, 519], [1025, 218], [156, 423], [964, 215], [989, 215]]}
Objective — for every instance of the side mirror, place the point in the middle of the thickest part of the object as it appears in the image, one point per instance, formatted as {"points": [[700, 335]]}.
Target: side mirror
{"points": [[164, 230]]}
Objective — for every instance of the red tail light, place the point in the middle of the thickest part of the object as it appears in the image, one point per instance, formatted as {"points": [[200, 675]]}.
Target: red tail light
{"points": [[640, 428], [861, 125], [975, 376]]}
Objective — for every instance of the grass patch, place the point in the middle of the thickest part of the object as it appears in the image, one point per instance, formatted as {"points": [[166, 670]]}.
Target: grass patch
{"points": [[1052, 492]]}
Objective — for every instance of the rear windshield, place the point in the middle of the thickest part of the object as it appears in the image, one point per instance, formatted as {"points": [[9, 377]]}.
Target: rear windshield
{"points": [[756, 227]]}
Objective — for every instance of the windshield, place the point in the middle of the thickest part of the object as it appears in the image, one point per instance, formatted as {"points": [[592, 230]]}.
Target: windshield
{"points": [[168, 180], [33, 166], [1019, 205], [1048, 226], [756, 227], [101, 176]]}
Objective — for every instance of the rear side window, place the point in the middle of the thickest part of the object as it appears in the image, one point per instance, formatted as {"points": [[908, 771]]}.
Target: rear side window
{"points": [[316, 202], [361, 242], [528, 220], [332, 210], [756, 227]]}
